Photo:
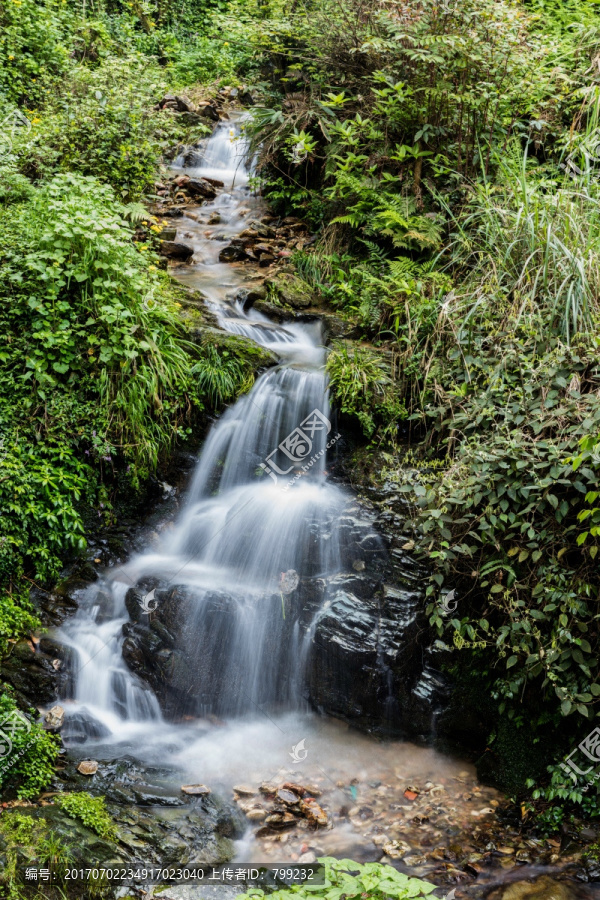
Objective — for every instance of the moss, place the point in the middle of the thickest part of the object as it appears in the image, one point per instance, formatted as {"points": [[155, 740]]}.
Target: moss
{"points": [[289, 289]]}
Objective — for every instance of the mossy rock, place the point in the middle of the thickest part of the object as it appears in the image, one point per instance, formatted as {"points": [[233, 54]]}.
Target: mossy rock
{"points": [[245, 349], [290, 290]]}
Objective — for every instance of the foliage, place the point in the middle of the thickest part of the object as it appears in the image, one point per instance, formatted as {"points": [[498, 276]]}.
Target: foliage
{"points": [[100, 122], [29, 839], [362, 387], [346, 878], [31, 758], [529, 248], [89, 810], [457, 197], [76, 292], [220, 376], [32, 46]]}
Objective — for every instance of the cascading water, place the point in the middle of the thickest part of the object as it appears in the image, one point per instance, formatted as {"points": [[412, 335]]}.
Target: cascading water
{"points": [[260, 516], [264, 554]]}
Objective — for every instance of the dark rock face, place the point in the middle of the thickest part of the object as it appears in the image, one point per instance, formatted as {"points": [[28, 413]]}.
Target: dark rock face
{"points": [[366, 659], [365, 626], [233, 252], [33, 674]]}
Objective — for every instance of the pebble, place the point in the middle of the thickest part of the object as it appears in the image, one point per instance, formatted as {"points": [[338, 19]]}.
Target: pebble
{"points": [[88, 767], [195, 790], [244, 790]]}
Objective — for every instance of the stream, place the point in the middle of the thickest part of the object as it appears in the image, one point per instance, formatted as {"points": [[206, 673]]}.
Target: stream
{"points": [[260, 517]]}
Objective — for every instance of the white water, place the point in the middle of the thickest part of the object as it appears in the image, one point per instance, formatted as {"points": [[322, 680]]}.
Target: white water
{"points": [[252, 514]]}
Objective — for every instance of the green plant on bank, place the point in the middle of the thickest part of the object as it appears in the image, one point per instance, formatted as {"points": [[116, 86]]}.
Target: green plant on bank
{"points": [[361, 386], [91, 811], [528, 245], [344, 878], [491, 321], [30, 761], [96, 313], [30, 841], [220, 376]]}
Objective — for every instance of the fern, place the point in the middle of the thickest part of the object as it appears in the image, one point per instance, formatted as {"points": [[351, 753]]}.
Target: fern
{"points": [[135, 212]]}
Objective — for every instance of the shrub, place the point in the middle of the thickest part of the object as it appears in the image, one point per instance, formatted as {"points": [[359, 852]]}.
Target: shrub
{"points": [[32, 46], [29, 763]]}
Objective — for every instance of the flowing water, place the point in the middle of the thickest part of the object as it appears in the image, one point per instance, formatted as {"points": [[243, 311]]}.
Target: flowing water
{"points": [[257, 520]]}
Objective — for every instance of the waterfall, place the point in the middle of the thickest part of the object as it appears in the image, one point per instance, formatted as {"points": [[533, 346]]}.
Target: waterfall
{"points": [[259, 520]]}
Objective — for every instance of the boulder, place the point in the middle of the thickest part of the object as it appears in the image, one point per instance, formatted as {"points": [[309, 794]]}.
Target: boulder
{"points": [[191, 118], [290, 289], [207, 111], [232, 253], [201, 188], [176, 250]]}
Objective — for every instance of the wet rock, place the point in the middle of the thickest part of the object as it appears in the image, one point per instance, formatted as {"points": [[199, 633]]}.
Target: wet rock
{"points": [[244, 790], [265, 260], [201, 188], [543, 888], [176, 250], [54, 718], [365, 656], [256, 814], [290, 289], [191, 118], [396, 849], [297, 789], [178, 103], [315, 814], [232, 253], [281, 820], [249, 296], [208, 111], [81, 726], [31, 673], [88, 767], [268, 788], [195, 790], [289, 798]]}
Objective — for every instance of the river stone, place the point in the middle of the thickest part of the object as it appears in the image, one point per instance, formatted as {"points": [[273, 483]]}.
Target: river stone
{"points": [[200, 188], [543, 888], [88, 767], [176, 250], [232, 253], [54, 718], [290, 289], [195, 790]]}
